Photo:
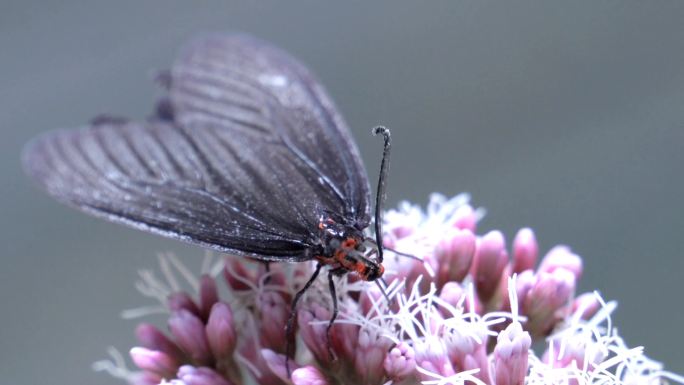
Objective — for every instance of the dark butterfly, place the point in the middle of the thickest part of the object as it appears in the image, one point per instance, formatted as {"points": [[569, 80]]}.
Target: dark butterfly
{"points": [[246, 155]]}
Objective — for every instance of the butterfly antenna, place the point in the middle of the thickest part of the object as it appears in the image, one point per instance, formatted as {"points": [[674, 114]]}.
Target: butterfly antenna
{"points": [[382, 182], [407, 255]]}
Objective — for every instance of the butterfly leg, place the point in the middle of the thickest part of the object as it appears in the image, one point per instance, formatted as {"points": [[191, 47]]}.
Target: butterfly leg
{"points": [[267, 269], [289, 328], [333, 295]]}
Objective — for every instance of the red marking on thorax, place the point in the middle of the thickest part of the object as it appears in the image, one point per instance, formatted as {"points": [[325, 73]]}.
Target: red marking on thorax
{"points": [[340, 256], [349, 243]]}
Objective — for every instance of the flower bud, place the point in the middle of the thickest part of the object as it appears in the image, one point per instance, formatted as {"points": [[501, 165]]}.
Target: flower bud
{"points": [[314, 333], [525, 250], [465, 218], [151, 338], [511, 355], [238, 276], [431, 355], [274, 312], [489, 263], [189, 333], [208, 295], [191, 375], [154, 361], [308, 375], [220, 331], [370, 355], [546, 300], [400, 362], [182, 300], [588, 304], [453, 256], [276, 362], [561, 257]]}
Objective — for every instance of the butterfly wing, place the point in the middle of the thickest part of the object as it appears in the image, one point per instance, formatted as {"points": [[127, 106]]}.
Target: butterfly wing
{"points": [[243, 182], [247, 87]]}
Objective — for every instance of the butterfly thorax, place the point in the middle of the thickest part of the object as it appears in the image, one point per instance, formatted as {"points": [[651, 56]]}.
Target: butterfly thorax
{"points": [[345, 249]]}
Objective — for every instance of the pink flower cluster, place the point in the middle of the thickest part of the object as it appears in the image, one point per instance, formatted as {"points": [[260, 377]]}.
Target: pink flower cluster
{"points": [[467, 310]]}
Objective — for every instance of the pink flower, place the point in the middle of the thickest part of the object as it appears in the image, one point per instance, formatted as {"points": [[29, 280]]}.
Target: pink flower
{"points": [[463, 313], [308, 375], [489, 263], [453, 256], [510, 355], [525, 251], [400, 363]]}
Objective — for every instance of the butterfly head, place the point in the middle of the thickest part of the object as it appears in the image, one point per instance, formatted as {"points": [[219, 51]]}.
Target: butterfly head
{"points": [[371, 270]]}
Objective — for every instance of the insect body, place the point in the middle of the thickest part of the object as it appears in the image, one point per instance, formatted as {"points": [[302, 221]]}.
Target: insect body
{"points": [[343, 248], [246, 154]]}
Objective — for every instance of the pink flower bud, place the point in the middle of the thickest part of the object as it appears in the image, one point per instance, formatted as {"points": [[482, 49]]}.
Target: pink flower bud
{"points": [[547, 300], [574, 353], [526, 280], [276, 362], [154, 361], [308, 375], [275, 312], [453, 294], [489, 263], [314, 333], [511, 355], [276, 275], [588, 304], [182, 300], [343, 340], [220, 331], [370, 355], [409, 269], [454, 255], [238, 276], [431, 355], [478, 362], [561, 257], [400, 362], [189, 333], [208, 295], [525, 250], [465, 218], [250, 351], [191, 375], [466, 352], [151, 338]]}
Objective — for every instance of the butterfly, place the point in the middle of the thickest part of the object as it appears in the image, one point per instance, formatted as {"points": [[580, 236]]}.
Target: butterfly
{"points": [[245, 154]]}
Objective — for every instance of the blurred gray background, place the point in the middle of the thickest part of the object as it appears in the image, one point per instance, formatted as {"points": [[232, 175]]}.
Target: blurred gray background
{"points": [[566, 117]]}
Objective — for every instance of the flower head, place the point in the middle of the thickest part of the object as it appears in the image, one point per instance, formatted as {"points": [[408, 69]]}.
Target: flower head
{"points": [[467, 310]]}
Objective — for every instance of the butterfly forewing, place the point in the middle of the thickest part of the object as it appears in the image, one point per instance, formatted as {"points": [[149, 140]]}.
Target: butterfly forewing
{"points": [[250, 155], [250, 88]]}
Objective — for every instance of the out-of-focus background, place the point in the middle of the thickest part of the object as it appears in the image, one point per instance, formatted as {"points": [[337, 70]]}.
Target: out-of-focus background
{"points": [[565, 117]]}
